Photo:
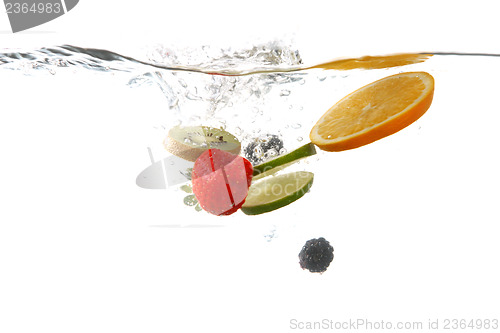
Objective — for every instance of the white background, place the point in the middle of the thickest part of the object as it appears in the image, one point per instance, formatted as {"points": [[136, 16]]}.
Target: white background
{"points": [[413, 218]]}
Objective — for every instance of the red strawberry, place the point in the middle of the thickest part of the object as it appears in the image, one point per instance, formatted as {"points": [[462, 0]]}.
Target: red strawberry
{"points": [[221, 181]]}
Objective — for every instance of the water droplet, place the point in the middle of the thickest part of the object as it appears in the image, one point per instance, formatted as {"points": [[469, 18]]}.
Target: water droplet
{"points": [[192, 97], [299, 139], [258, 153], [296, 126], [271, 235], [270, 153], [285, 92]]}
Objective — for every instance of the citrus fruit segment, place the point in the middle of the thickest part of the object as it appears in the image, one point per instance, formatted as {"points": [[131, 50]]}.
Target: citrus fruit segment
{"points": [[190, 142], [375, 62], [374, 111], [263, 169], [276, 192]]}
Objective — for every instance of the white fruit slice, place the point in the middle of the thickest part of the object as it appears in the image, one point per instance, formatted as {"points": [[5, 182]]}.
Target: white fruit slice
{"points": [[190, 142]]}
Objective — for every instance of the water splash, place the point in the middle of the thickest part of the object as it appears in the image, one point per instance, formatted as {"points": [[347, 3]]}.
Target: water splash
{"points": [[265, 57]]}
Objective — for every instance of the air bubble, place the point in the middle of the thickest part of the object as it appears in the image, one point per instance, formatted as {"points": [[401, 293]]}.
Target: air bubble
{"points": [[192, 97], [285, 92], [272, 152]]}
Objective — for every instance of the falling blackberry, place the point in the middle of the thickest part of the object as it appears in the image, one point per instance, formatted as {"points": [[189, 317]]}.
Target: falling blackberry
{"points": [[316, 255], [264, 147]]}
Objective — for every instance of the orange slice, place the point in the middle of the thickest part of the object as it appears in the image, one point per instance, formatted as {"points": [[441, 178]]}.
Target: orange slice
{"points": [[376, 62], [374, 111]]}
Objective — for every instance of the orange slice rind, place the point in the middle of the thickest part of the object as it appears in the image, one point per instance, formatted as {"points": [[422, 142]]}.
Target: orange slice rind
{"points": [[375, 62]]}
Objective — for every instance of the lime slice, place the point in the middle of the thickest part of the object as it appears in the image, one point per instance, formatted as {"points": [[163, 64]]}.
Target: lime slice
{"points": [[276, 192], [272, 171], [190, 142], [265, 168]]}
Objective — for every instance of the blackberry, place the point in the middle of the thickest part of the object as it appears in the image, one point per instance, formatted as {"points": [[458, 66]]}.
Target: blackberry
{"points": [[316, 255], [263, 148]]}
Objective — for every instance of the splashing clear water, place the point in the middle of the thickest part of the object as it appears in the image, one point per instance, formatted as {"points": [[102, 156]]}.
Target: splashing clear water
{"points": [[263, 89], [192, 95], [250, 92]]}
